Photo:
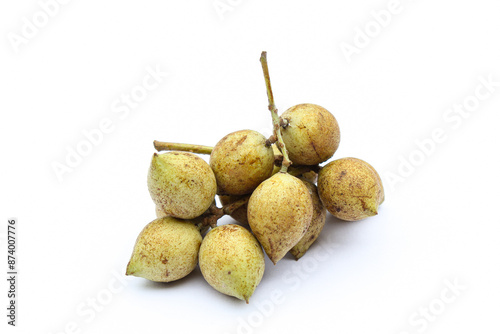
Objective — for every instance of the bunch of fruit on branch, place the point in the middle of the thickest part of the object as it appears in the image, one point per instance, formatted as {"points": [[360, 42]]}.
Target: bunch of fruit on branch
{"points": [[273, 187]]}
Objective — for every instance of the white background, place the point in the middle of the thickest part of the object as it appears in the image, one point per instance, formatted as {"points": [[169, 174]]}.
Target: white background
{"points": [[439, 222]]}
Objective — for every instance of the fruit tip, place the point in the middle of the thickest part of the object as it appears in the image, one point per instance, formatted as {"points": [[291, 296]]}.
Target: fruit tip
{"points": [[127, 271], [372, 210]]}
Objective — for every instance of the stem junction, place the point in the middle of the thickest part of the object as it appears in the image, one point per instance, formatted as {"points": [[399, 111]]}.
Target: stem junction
{"points": [[277, 121]]}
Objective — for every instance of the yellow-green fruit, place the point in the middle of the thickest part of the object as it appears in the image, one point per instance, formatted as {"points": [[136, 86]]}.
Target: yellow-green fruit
{"points": [[279, 213], [350, 189], [181, 184], [166, 250], [199, 222], [379, 180], [316, 226], [241, 161], [159, 212], [232, 261], [312, 134], [240, 214]]}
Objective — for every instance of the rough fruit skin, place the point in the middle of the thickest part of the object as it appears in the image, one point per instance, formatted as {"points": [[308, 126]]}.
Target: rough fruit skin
{"points": [[350, 189], [160, 213], [279, 213], [381, 196], [166, 250], [312, 134], [231, 261], [316, 226], [181, 184], [241, 161]]}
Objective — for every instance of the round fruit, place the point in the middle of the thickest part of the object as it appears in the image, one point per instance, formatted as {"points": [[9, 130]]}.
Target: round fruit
{"points": [[241, 161], [279, 213], [350, 189], [166, 250], [312, 134], [232, 261], [181, 184]]}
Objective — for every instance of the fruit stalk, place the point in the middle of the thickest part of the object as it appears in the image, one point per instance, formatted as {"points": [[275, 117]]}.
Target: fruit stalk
{"points": [[214, 213], [164, 146], [200, 149], [228, 209], [274, 113]]}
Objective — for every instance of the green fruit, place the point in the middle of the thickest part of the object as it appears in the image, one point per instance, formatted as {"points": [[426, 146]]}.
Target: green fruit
{"points": [[166, 250], [241, 161], [316, 226], [181, 184], [312, 134], [159, 212], [279, 213], [350, 189], [232, 261]]}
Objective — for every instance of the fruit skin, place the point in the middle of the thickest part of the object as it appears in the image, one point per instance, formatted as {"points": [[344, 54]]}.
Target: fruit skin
{"points": [[316, 226], [241, 161], [159, 212], [381, 197], [198, 221], [181, 184], [166, 250], [312, 135], [350, 189], [231, 261], [279, 212]]}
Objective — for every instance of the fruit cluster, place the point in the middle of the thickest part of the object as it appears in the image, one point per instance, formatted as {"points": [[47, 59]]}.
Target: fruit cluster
{"points": [[267, 185]]}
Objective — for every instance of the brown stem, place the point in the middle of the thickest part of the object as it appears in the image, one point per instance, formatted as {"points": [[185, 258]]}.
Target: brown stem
{"points": [[200, 149], [214, 213], [274, 114], [230, 208], [271, 140], [164, 146], [278, 160], [299, 170]]}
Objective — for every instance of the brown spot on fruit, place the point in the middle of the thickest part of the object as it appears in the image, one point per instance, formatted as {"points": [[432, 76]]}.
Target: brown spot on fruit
{"points": [[242, 139]]}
